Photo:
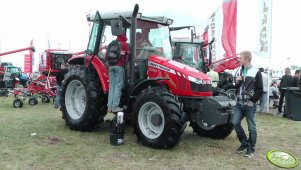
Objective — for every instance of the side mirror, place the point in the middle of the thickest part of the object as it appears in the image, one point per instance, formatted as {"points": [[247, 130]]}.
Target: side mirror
{"points": [[117, 27]]}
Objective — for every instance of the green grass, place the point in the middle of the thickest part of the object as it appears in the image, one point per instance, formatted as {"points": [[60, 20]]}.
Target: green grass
{"points": [[55, 146]]}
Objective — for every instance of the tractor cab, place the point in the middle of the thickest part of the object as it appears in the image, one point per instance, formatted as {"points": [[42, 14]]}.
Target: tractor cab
{"points": [[195, 54], [189, 54], [147, 36], [11, 75], [51, 60], [3, 64]]}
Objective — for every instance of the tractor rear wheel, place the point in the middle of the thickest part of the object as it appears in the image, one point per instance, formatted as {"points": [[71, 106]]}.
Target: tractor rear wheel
{"points": [[212, 131], [159, 122], [83, 103]]}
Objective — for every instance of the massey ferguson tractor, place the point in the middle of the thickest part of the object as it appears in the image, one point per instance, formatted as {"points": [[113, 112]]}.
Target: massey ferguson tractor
{"points": [[160, 94]]}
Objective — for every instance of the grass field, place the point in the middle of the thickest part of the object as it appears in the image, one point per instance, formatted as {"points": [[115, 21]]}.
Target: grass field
{"points": [[55, 146]]}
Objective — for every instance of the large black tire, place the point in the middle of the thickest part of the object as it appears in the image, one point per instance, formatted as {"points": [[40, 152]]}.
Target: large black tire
{"points": [[215, 132], [83, 113], [165, 128]]}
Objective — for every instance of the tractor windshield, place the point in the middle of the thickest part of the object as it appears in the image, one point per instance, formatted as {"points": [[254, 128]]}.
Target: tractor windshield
{"points": [[152, 39], [189, 53], [58, 59]]}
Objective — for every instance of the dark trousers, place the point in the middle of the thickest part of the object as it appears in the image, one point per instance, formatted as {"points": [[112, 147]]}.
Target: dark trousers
{"points": [[282, 93], [249, 112]]}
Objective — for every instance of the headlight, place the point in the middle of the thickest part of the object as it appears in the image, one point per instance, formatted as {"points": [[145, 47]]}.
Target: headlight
{"points": [[199, 81]]}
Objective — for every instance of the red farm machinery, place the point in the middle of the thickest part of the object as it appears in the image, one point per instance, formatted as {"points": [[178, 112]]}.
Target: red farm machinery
{"points": [[43, 85], [160, 96]]}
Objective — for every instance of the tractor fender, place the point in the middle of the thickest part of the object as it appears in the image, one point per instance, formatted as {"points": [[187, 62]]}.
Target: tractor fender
{"points": [[145, 83], [99, 66]]}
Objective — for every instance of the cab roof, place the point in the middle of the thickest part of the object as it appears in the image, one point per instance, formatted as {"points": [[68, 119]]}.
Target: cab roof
{"points": [[115, 15]]}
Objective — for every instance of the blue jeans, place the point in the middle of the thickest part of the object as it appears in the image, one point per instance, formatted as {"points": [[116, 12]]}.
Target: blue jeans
{"points": [[57, 96], [249, 112], [116, 77], [263, 102]]}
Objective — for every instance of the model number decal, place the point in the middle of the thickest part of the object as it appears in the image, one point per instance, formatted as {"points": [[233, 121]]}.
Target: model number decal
{"points": [[159, 66]]}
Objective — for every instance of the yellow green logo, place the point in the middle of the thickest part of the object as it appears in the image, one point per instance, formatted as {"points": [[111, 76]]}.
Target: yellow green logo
{"points": [[282, 159]]}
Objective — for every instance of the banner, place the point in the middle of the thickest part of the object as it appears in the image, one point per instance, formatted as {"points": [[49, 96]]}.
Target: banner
{"points": [[265, 28], [214, 31], [205, 35], [27, 64], [229, 27], [28, 60]]}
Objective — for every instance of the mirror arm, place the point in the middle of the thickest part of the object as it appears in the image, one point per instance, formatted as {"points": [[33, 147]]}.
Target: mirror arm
{"points": [[126, 21]]}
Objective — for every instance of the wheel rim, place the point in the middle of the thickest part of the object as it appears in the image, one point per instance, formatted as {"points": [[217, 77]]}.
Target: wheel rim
{"points": [[17, 103], [75, 99], [205, 126], [151, 120]]}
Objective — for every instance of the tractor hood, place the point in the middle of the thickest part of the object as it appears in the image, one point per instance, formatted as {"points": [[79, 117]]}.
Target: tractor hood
{"points": [[180, 69]]}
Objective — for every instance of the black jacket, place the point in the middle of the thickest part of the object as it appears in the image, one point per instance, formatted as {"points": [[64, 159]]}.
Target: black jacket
{"points": [[286, 81], [295, 81], [251, 87], [61, 75]]}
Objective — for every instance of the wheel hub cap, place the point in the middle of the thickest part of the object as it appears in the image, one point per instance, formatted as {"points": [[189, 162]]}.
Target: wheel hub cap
{"points": [[151, 120], [75, 99]]}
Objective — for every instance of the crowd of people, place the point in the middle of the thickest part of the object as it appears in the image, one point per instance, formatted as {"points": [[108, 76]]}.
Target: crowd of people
{"points": [[277, 91]]}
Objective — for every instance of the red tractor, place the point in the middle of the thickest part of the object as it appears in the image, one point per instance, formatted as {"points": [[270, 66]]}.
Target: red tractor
{"points": [[52, 59], [160, 94]]}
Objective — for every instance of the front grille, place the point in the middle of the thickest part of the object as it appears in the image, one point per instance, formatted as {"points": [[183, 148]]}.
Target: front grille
{"points": [[200, 87]]}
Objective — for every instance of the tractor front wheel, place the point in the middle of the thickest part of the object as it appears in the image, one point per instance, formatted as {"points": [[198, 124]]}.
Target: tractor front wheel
{"points": [[212, 131], [159, 122]]}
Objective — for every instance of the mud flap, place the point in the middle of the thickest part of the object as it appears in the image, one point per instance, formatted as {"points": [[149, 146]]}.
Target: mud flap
{"points": [[216, 110]]}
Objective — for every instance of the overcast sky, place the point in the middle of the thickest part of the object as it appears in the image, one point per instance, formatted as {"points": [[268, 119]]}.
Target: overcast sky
{"points": [[64, 21]]}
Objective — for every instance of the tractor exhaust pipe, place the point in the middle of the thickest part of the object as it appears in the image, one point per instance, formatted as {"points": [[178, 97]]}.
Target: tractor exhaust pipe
{"points": [[133, 46]]}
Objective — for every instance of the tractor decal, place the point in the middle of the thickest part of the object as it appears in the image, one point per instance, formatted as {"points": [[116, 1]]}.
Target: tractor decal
{"points": [[150, 63]]}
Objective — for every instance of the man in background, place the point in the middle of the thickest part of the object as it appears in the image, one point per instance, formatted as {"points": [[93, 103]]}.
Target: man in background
{"points": [[296, 79], [286, 81], [60, 76], [263, 99], [213, 75]]}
